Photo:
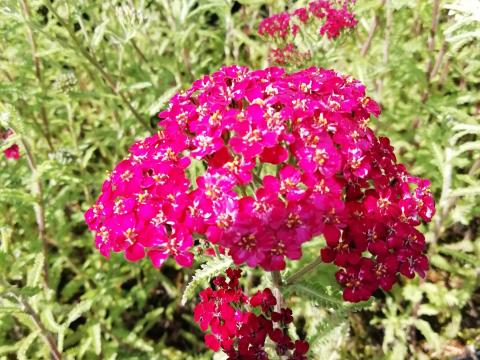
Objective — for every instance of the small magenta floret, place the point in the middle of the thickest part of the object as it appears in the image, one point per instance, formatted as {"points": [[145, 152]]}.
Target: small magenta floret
{"points": [[13, 151]]}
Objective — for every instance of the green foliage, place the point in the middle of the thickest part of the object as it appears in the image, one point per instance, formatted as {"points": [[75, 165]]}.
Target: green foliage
{"points": [[81, 80], [320, 287], [204, 274]]}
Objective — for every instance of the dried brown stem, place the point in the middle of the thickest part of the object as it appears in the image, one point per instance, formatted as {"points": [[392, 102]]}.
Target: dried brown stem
{"points": [[47, 336], [438, 61], [13, 294], [434, 62], [371, 32], [444, 75], [432, 35]]}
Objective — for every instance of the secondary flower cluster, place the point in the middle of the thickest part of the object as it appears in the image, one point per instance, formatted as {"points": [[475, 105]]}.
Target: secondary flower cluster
{"points": [[12, 152], [283, 28], [289, 55], [274, 159], [240, 325], [285, 25]]}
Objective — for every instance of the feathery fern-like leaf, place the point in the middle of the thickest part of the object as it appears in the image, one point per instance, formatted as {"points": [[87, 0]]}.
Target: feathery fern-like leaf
{"points": [[204, 274]]}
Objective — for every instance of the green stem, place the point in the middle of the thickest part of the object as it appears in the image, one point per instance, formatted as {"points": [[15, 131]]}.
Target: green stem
{"points": [[446, 201], [215, 249], [77, 151], [12, 293], [277, 284], [186, 62], [306, 269], [49, 340], [142, 56], [39, 206], [38, 73], [94, 62]]}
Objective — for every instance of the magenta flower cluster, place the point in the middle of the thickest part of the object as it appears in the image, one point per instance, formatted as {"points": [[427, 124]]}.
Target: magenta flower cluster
{"points": [[277, 159], [12, 152], [240, 325], [289, 55], [335, 17]]}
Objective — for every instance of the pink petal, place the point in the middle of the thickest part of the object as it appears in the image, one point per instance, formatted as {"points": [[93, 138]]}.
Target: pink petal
{"points": [[135, 253], [157, 257], [184, 259]]}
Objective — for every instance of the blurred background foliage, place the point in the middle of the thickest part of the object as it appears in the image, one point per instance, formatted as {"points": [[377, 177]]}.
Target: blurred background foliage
{"points": [[81, 80]]}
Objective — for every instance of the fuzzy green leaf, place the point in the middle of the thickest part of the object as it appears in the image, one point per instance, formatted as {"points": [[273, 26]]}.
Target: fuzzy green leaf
{"points": [[78, 310], [25, 345], [35, 273]]}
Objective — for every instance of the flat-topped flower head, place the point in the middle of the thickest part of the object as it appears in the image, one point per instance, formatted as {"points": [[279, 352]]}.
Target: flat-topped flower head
{"points": [[259, 162]]}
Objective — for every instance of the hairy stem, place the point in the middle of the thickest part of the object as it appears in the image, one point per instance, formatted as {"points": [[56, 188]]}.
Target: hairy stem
{"points": [[47, 336], [10, 293], [140, 54], [186, 62], [431, 46], [81, 167], [38, 72], [417, 24], [438, 61], [227, 48], [371, 32], [39, 206], [445, 201], [433, 31], [305, 270], [215, 250], [277, 284], [388, 32], [474, 168], [91, 58]]}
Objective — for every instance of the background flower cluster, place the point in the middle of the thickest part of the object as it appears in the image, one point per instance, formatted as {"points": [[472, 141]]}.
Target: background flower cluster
{"points": [[283, 28]]}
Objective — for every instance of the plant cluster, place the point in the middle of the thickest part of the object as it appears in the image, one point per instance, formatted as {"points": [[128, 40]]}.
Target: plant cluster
{"points": [[240, 152]]}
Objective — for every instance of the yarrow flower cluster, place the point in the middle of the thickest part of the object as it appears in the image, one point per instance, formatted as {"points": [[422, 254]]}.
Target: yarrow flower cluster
{"points": [[289, 55], [241, 325], [283, 28], [285, 25], [12, 152], [281, 158]]}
